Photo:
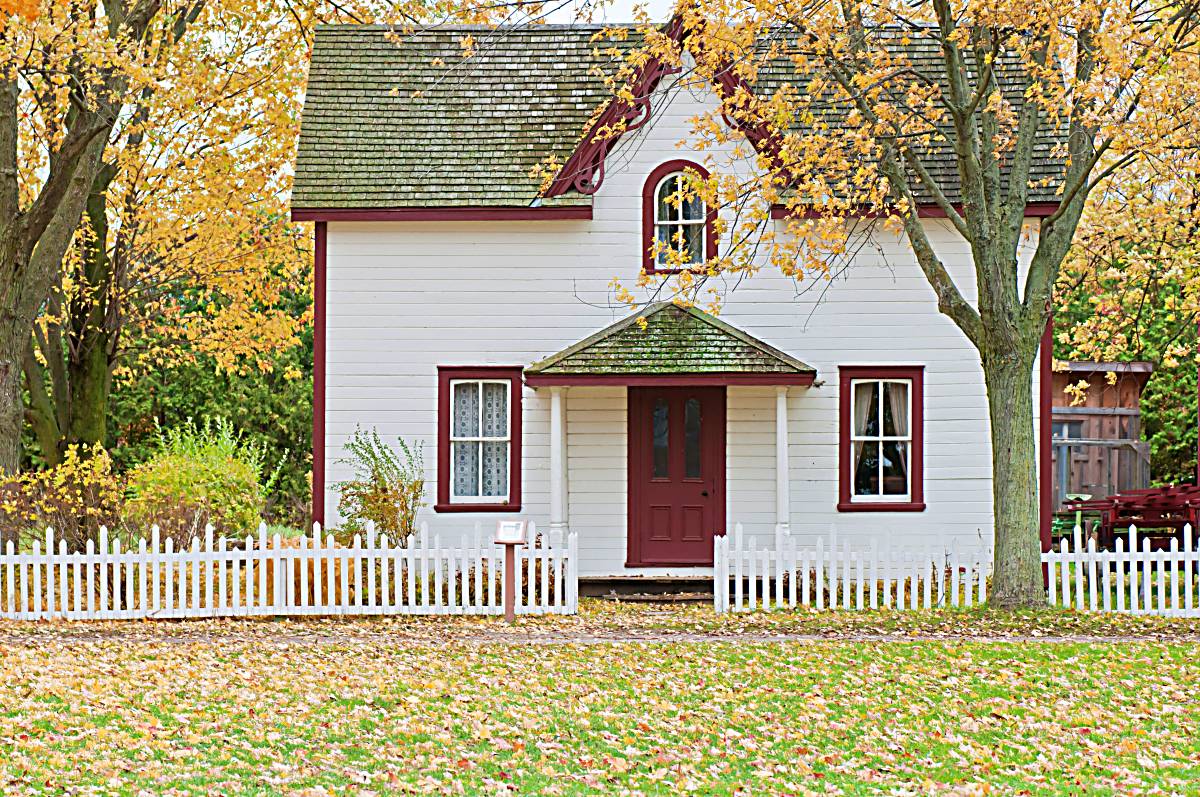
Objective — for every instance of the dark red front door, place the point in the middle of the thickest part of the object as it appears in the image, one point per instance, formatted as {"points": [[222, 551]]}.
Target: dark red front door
{"points": [[676, 474]]}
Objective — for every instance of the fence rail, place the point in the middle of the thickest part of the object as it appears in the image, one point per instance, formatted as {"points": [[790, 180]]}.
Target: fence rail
{"points": [[310, 575], [1130, 579], [835, 575]]}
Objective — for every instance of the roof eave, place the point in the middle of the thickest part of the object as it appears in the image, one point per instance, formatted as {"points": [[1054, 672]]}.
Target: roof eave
{"points": [[695, 379]]}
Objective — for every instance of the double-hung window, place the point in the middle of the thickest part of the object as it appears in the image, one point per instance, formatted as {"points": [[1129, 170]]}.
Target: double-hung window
{"points": [[881, 449], [479, 439]]}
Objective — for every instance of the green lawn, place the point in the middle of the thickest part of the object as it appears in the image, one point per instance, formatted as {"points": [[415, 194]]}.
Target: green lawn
{"points": [[411, 706]]}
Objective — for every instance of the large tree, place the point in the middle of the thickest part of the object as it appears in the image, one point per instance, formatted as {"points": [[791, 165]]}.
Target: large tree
{"points": [[876, 96], [185, 248], [66, 70], [1130, 290], [143, 151]]}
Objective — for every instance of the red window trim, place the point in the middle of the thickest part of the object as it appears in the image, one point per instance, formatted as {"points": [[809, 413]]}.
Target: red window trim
{"points": [[446, 373], [846, 374], [648, 205]]}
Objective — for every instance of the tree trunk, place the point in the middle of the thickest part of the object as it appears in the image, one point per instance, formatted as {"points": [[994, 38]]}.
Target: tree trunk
{"points": [[14, 337], [90, 383], [89, 362], [1017, 570]]}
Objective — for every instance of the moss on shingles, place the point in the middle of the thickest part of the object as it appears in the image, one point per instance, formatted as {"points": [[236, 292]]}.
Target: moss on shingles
{"points": [[674, 341], [395, 120]]}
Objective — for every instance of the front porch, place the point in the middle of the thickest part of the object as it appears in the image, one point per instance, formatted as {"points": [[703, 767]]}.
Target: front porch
{"points": [[682, 418]]}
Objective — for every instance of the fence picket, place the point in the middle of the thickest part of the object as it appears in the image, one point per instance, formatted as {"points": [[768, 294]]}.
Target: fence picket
{"points": [[10, 582], [819, 568], [1147, 585], [1174, 576], [753, 582], [738, 560], [1091, 571], [805, 594], [1189, 566]]}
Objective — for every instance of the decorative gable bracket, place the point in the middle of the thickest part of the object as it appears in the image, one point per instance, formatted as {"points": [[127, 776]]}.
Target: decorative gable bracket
{"points": [[584, 169]]}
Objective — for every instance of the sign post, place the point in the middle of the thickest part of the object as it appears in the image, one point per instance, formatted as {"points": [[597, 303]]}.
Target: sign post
{"points": [[510, 534]]}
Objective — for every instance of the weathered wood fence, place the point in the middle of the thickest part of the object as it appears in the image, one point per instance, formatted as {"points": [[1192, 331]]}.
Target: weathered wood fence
{"points": [[833, 574], [1132, 578], [270, 575]]}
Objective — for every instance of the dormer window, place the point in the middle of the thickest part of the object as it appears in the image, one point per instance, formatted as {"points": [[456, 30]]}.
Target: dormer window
{"points": [[677, 225]]}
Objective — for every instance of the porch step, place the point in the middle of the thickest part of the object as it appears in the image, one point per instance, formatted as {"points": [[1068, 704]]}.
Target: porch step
{"points": [[671, 597], [648, 590]]}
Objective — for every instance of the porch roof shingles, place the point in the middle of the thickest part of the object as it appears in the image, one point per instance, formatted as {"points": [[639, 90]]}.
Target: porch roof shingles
{"points": [[675, 341]]}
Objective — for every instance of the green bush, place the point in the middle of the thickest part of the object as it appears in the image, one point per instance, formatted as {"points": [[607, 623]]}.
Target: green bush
{"points": [[387, 488], [200, 474], [272, 407]]}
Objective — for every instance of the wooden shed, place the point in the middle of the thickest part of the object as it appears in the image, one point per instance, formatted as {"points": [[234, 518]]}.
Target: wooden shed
{"points": [[1097, 443]]}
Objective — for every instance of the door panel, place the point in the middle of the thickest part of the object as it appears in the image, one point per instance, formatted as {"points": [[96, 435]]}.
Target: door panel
{"points": [[676, 474]]}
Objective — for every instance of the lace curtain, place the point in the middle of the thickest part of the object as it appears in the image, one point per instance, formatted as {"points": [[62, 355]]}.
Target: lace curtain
{"points": [[480, 411]]}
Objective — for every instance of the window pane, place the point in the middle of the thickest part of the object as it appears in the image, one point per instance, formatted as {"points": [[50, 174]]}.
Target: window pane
{"points": [[495, 409], [466, 469], [662, 435], [866, 409], [866, 468], [693, 208], [664, 241], [895, 468], [693, 236], [466, 409], [895, 409], [495, 469], [691, 439], [667, 210]]}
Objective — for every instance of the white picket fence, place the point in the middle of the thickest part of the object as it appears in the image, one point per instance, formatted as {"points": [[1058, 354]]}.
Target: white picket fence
{"points": [[1131, 579], [833, 574], [274, 576]]}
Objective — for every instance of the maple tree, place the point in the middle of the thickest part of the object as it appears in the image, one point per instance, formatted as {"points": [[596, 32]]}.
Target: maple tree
{"points": [[65, 73], [1130, 289], [185, 247], [144, 151], [873, 97]]}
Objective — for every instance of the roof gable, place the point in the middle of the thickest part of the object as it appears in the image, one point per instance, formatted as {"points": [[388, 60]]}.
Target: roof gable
{"points": [[675, 340]]}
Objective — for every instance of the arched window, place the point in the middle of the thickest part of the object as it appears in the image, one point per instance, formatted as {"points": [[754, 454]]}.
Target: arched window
{"points": [[675, 220]]}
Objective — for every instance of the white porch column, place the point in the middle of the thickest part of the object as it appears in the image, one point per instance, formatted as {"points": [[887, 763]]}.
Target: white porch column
{"points": [[558, 460], [783, 503]]}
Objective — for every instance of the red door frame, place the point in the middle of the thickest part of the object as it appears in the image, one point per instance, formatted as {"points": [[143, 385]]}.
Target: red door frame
{"points": [[638, 462]]}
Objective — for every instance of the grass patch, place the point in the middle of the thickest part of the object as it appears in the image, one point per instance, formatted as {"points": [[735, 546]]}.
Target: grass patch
{"points": [[279, 707]]}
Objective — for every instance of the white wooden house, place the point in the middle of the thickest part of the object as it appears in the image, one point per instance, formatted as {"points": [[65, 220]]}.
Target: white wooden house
{"points": [[458, 306]]}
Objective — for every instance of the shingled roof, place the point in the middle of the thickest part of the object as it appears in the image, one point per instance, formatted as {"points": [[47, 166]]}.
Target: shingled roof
{"points": [[402, 120], [675, 340]]}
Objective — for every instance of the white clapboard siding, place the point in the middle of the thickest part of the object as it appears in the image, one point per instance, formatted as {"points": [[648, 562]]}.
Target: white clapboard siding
{"points": [[278, 577], [1131, 579], [834, 574]]}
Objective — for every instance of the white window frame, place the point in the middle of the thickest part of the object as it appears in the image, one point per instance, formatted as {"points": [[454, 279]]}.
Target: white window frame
{"points": [[455, 498], [880, 498], [702, 222]]}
